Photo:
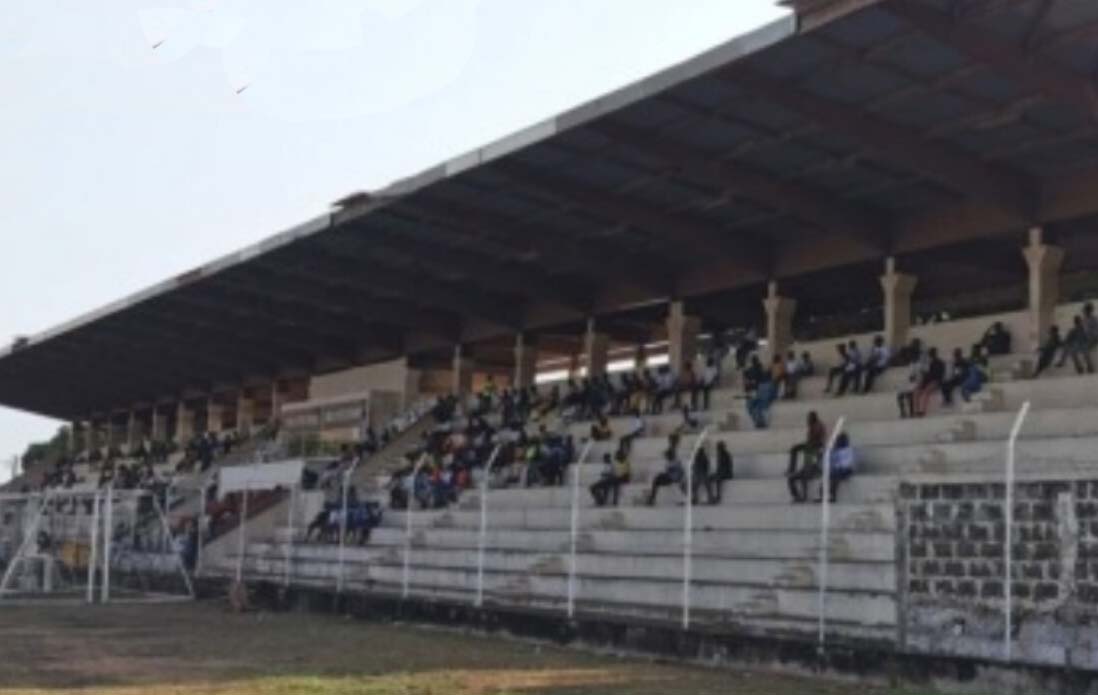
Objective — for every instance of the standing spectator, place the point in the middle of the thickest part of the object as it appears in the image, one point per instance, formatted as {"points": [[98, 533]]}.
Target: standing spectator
{"points": [[917, 366], [672, 474], [706, 384], [703, 478], [608, 485], [758, 406], [931, 381], [852, 370], [876, 363], [1047, 352], [809, 450], [1077, 346], [996, 339]]}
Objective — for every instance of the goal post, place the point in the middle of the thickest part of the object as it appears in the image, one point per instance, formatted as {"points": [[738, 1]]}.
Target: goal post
{"points": [[92, 545]]}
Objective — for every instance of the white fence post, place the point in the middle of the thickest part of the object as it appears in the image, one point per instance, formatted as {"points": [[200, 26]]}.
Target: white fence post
{"points": [[825, 529], [242, 531], [575, 527], [348, 475], [1008, 551], [108, 540], [482, 537], [203, 526], [406, 578], [93, 550], [290, 537], [688, 530]]}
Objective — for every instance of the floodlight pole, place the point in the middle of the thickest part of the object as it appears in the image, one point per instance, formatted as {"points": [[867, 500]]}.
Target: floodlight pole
{"points": [[93, 551]]}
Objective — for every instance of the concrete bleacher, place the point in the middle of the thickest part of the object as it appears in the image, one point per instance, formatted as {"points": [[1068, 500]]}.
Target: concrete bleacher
{"points": [[754, 555]]}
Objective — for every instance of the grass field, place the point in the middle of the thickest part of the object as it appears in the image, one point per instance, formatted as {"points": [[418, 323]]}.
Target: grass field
{"points": [[202, 648]]}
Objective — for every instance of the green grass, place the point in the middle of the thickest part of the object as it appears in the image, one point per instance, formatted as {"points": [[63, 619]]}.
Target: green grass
{"points": [[192, 649]]}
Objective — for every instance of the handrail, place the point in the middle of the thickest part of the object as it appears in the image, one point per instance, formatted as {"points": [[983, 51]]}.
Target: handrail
{"points": [[825, 529], [1008, 541], [575, 528]]}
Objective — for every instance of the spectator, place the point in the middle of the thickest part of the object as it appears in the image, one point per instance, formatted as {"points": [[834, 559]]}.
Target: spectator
{"points": [[958, 374], [794, 370], [996, 339], [703, 478], [917, 366], [1090, 324], [635, 428], [879, 359], [758, 406], [1047, 352], [931, 381], [600, 430], [705, 384], [809, 450], [664, 389], [852, 370], [839, 369], [1077, 346], [841, 462], [724, 470], [615, 473], [777, 374], [807, 367], [672, 474], [978, 372], [687, 384]]}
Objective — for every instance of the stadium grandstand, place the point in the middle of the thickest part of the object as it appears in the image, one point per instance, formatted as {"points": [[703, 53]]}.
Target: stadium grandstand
{"points": [[586, 380]]}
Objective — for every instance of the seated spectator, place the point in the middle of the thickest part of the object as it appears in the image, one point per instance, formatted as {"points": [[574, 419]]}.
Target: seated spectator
{"points": [[931, 381], [996, 339], [1047, 352], [724, 470], [777, 374], [672, 474], [839, 369], [615, 473], [753, 375], [958, 374], [758, 406], [635, 428], [917, 367], [809, 451], [876, 364], [600, 430], [664, 389], [1077, 346], [807, 367], [702, 478], [910, 353], [690, 421], [842, 464], [852, 370], [794, 372], [746, 346], [978, 372]]}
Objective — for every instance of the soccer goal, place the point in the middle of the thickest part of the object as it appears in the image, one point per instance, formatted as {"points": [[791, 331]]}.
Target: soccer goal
{"points": [[91, 546]]}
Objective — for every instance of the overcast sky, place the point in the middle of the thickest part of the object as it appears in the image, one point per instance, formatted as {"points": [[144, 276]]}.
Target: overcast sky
{"points": [[129, 156]]}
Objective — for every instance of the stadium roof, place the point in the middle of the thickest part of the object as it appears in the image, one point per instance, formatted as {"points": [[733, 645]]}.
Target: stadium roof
{"points": [[859, 130]]}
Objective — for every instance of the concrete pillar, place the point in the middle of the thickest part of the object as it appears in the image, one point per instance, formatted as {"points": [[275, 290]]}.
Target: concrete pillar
{"points": [[682, 336], [526, 361], [133, 431], [640, 357], [91, 436], [72, 442], [215, 416], [158, 430], [596, 350], [1044, 263], [779, 322], [277, 399], [184, 424], [897, 288], [245, 412], [461, 372]]}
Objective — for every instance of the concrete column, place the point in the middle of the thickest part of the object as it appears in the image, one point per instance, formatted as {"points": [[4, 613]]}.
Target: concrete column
{"points": [[596, 350], [526, 361], [245, 412], [215, 416], [277, 399], [133, 431], [779, 322], [462, 372], [91, 436], [682, 336], [184, 424], [1044, 263], [72, 441], [158, 431], [897, 288]]}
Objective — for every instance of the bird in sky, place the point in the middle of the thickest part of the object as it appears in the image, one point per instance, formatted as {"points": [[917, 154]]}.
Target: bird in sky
{"points": [[241, 89], [158, 44]]}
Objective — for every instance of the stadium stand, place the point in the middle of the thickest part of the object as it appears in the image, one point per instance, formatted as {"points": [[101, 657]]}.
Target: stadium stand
{"points": [[675, 266]]}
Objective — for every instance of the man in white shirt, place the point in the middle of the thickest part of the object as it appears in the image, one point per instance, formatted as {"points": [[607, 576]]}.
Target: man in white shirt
{"points": [[879, 358], [709, 376]]}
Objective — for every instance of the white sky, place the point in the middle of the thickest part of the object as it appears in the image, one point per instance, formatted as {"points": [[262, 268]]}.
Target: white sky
{"points": [[124, 164]]}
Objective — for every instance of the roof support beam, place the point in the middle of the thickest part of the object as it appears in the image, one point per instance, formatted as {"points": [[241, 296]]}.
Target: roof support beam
{"points": [[809, 205], [700, 237], [963, 173], [1051, 80]]}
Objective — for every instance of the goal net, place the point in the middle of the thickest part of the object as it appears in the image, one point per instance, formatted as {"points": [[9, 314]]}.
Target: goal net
{"points": [[91, 546]]}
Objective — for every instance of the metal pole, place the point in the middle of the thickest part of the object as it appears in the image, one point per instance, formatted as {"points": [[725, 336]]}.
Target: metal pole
{"points": [[200, 519], [166, 527], [30, 530], [1008, 551], [688, 530], [290, 538], [347, 475], [825, 529], [93, 551], [408, 529], [572, 562], [242, 533], [108, 541], [482, 537]]}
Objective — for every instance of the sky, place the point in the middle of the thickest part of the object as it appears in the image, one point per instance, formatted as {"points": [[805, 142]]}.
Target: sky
{"points": [[140, 140]]}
